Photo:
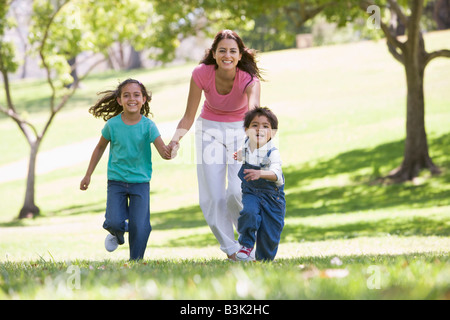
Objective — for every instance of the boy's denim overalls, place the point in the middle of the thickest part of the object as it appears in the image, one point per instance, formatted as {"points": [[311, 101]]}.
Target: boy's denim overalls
{"points": [[262, 218]]}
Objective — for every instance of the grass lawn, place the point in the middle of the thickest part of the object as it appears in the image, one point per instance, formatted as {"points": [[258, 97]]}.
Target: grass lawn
{"points": [[342, 124]]}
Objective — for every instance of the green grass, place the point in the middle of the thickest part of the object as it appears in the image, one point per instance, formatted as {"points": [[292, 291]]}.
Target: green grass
{"points": [[414, 276], [342, 124]]}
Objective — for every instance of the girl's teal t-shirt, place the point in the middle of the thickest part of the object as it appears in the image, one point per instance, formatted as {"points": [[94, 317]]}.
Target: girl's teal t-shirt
{"points": [[130, 153]]}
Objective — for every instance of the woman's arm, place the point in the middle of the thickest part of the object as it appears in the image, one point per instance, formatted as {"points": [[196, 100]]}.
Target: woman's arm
{"points": [[254, 95], [95, 158], [194, 97]]}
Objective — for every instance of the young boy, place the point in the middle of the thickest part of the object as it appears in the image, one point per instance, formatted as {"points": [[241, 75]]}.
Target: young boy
{"points": [[262, 218]]}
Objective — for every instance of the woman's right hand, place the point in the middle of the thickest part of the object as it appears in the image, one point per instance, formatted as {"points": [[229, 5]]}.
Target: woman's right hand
{"points": [[172, 149]]}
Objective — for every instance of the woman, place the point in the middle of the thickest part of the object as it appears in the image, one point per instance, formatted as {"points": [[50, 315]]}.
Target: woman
{"points": [[229, 77]]}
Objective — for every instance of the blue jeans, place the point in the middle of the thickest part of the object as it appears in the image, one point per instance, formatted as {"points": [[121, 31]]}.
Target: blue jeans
{"points": [[262, 218], [129, 201]]}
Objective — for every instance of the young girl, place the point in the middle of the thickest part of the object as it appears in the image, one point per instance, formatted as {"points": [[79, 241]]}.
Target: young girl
{"points": [[130, 133]]}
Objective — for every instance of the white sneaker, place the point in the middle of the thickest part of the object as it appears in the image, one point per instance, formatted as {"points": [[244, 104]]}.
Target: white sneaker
{"points": [[244, 254], [111, 243]]}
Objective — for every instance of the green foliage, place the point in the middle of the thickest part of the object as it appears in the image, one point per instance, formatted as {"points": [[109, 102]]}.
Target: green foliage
{"points": [[55, 37], [7, 49], [109, 21]]}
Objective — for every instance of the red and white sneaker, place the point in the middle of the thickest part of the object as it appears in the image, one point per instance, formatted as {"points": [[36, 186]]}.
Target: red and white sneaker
{"points": [[244, 254]]}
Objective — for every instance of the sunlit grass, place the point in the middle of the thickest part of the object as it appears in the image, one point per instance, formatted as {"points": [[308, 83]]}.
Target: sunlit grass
{"points": [[410, 276]]}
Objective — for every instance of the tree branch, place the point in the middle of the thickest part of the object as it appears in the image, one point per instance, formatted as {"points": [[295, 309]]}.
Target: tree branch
{"points": [[20, 122], [67, 96], [436, 54], [42, 56], [394, 5], [394, 45], [11, 112], [364, 4]]}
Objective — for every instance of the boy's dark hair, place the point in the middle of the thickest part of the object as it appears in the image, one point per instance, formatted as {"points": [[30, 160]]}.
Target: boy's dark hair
{"points": [[261, 111]]}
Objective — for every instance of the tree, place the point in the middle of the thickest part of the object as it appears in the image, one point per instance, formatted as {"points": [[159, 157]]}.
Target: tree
{"points": [[412, 55], [47, 24], [59, 31]]}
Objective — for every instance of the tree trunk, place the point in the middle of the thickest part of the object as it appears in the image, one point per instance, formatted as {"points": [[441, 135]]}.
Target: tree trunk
{"points": [[134, 61], [29, 209], [416, 156]]}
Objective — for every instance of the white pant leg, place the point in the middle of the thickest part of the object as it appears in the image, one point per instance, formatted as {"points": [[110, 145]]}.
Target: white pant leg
{"points": [[219, 201], [234, 192]]}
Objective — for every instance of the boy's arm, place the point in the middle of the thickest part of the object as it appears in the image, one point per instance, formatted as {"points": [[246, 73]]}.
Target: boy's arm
{"points": [[95, 158], [252, 174], [273, 174], [275, 167]]}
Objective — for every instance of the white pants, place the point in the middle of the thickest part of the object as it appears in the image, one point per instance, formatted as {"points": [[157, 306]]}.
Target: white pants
{"points": [[220, 202]]}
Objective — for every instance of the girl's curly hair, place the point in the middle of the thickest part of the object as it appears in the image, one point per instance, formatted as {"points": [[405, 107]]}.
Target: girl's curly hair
{"points": [[107, 106]]}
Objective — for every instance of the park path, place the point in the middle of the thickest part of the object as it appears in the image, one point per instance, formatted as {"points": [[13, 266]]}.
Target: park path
{"points": [[65, 156]]}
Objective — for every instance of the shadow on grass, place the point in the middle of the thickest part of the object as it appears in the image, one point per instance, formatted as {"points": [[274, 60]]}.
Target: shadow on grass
{"points": [[357, 194], [183, 218], [73, 210], [414, 226]]}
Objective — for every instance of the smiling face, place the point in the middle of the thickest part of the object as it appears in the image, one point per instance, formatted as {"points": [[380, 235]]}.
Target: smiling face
{"points": [[259, 131], [131, 98], [227, 54]]}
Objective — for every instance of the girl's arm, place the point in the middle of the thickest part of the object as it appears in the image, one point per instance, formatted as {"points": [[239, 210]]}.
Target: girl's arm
{"points": [[162, 148], [254, 95], [95, 158]]}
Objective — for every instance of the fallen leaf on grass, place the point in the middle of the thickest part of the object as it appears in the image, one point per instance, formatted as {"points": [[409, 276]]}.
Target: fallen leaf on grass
{"points": [[312, 272], [334, 273]]}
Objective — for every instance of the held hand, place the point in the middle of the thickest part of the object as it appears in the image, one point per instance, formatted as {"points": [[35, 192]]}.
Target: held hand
{"points": [[252, 174], [85, 183], [238, 155], [172, 149]]}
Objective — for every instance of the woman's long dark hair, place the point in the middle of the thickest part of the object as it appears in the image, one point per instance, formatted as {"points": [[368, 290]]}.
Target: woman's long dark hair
{"points": [[248, 60], [108, 107]]}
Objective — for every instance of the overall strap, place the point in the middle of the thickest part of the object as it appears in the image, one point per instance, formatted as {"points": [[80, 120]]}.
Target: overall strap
{"points": [[270, 151], [245, 152], [265, 161]]}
